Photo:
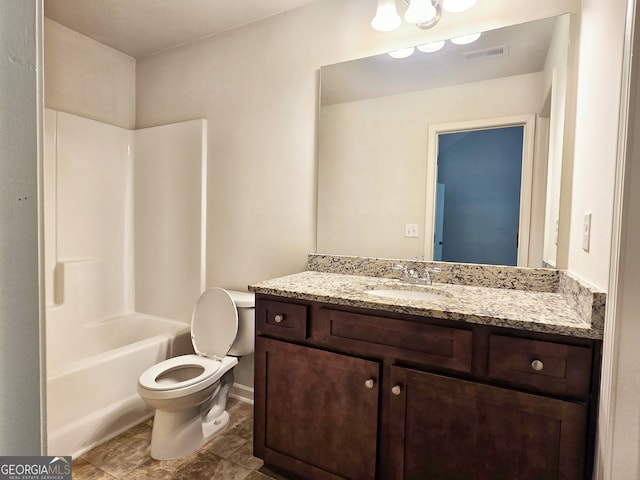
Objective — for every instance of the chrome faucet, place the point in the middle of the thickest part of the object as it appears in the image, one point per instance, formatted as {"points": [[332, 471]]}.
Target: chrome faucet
{"points": [[410, 275], [405, 277]]}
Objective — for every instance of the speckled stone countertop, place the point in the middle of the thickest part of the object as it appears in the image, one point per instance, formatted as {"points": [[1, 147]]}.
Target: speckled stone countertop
{"points": [[575, 311]]}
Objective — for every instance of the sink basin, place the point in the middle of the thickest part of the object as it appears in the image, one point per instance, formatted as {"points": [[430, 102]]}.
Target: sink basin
{"points": [[407, 294]]}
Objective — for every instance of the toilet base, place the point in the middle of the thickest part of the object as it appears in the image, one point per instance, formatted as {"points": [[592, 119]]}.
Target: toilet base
{"points": [[178, 434], [215, 427]]}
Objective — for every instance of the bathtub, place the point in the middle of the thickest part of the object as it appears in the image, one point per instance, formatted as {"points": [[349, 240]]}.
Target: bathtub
{"points": [[91, 383]]}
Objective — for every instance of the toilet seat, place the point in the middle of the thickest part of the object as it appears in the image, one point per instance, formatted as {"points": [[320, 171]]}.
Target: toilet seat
{"points": [[149, 379], [214, 323], [214, 326], [149, 388]]}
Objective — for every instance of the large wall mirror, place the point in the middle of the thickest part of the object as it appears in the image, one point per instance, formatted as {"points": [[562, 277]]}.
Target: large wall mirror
{"points": [[388, 126]]}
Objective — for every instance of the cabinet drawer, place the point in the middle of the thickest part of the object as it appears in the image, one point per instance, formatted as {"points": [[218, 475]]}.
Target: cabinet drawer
{"points": [[404, 340], [548, 367], [282, 320]]}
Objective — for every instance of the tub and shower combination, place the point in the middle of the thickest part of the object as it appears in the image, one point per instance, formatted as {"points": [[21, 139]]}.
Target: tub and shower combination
{"points": [[124, 244]]}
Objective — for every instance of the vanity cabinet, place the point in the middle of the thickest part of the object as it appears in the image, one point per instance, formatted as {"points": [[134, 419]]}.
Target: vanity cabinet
{"points": [[320, 416], [454, 429], [347, 393]]}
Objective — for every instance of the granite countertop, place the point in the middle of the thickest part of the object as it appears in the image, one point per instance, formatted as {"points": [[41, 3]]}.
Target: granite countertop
{"points": [[522, 309]]}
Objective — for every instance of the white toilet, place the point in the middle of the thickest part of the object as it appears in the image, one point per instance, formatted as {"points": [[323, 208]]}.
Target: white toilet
{"points": [[190, 392]]}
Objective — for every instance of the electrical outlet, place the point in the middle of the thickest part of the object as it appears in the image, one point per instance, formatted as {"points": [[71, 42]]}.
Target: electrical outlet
{"points": [[411, 230], [586, 232]]}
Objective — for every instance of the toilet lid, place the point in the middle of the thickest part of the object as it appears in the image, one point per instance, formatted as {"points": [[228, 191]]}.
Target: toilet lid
{"points": [[214, 323]]}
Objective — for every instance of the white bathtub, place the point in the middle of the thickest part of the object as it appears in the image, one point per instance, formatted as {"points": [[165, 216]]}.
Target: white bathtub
{"points": [[92, 377]]}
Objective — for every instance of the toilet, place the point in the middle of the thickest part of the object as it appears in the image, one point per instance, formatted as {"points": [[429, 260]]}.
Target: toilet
{"points": [[189, 392]]}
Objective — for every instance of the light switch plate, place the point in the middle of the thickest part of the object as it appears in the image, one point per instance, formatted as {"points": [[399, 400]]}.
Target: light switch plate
{"points": [[586, 232], [411, 230]]}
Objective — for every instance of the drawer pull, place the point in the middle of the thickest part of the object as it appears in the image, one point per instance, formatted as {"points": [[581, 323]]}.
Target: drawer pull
{"points": [[278, 318], [537, 365], [396, 390], [369, 383]]}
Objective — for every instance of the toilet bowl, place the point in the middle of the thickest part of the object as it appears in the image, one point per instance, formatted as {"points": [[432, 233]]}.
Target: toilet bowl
{"points": [[189, 392]]}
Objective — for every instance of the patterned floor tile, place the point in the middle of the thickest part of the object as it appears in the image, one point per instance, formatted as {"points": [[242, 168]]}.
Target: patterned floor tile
{"points": [[227, 457]]}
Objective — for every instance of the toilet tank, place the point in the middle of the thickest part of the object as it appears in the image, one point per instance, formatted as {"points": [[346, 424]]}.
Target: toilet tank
{"points": [[245, 339]]}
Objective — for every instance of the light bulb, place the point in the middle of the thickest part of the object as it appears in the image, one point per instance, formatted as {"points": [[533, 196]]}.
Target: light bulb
{"points": [[402, 53], [420, 11], [387, 17], [431, 46], [457, 6], [466, 39]]}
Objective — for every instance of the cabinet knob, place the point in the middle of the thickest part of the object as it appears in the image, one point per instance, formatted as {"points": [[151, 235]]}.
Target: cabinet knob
{"points": [[396, 390], [370, 383], [537, 365], [278, 318]]}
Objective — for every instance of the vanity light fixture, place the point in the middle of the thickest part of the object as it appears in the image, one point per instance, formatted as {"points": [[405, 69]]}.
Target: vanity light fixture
{"points": [[402, 53], [431, 46], [387, 17], [423, 13], [466, 39], [420, 12]]}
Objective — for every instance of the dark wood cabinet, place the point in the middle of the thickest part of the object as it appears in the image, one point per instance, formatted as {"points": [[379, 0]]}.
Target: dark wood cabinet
{"points": [[345, 393], [320, 411], [449, 429]]}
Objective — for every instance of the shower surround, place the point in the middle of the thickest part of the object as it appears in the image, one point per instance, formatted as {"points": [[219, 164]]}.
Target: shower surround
{"points": [[124, 217]]}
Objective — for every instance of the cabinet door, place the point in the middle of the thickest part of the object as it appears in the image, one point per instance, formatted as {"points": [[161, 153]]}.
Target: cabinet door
{"points": [[316, 412], [448, 429]]}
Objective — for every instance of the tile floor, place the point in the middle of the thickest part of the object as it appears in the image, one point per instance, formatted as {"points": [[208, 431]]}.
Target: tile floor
{"points": [[226, 457]]}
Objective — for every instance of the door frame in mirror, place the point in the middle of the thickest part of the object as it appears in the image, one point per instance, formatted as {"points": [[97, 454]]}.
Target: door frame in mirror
{"points": [[526, 182]]}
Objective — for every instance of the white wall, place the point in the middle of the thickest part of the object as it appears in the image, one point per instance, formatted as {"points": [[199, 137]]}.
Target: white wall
{"points": [[373, 159], [170, 218], [625, 420], [87, 78], [22, 411], [619, 421], [596, 129]]}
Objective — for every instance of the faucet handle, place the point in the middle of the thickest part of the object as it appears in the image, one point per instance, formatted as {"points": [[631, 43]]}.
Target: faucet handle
{"points": [[426, 277], [405, 270]]}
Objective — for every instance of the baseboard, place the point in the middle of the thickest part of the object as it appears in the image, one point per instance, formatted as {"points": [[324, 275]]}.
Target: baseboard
{"points": [[242, 393]]}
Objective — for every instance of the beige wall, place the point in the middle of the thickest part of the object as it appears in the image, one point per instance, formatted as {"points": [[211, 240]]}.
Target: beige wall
{"points": [[596, 136], [22, 416], [619, 421], [87, 78]]}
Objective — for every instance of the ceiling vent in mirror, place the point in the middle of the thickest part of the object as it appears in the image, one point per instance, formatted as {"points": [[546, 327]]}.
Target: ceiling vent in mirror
{"points": [[486, 53]]}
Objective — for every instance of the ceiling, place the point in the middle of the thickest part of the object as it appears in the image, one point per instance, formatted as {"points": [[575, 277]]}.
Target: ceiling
{"points": [[142, 27]]}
